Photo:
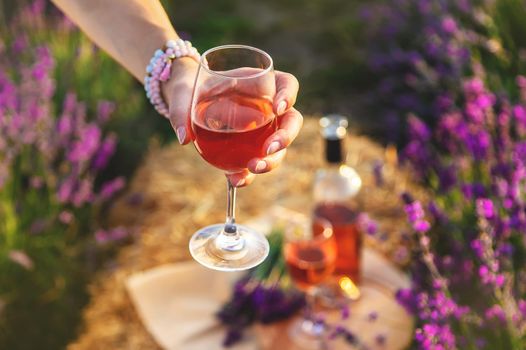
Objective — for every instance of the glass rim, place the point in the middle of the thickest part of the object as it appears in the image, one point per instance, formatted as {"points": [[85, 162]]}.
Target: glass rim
{"points": [[236, 46], [326, 234]]}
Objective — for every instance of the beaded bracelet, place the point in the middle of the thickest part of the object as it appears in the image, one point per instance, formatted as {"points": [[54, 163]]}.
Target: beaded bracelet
{"points": [[159, 70]]}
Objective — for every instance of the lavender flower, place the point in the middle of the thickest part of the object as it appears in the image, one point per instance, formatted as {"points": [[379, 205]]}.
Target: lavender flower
{"points": [[104, 153], [112, 235], [65, 217], [485, 208], [254, 302], [111, 187], [84, 148], [366, 224]]}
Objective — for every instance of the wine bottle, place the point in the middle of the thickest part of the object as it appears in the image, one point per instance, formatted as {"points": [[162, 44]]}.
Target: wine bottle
{"points": [[335, 188]]}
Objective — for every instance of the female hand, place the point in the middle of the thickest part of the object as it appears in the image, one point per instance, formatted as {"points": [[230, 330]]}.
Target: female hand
{"points": [[177, 92]]}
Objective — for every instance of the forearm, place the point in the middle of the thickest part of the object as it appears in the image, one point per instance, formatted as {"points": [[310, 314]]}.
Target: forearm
{"points": [[129, 30]]}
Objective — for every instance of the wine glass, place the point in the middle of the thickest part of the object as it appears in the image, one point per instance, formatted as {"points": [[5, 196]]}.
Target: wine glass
{"points": [[231, 117], [310, 255]]}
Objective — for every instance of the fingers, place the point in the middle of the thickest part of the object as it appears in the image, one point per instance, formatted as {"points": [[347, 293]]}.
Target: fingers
{"points": [[241, 179], [287, 87], [289, 126], [266, 164], [177, 93], [179, 111]]}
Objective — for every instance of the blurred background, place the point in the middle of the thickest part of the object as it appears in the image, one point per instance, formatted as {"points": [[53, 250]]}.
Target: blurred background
{"points": [[377, 62]]}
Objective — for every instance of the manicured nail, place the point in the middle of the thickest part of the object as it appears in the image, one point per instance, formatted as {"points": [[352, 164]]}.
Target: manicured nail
{"points": [[281, 107], [239, 183], [273, 147], [181, 134], [260, 166]]}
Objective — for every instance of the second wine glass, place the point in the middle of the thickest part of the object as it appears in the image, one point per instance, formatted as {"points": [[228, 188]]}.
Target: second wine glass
{"points": [[310, 255], [231, 118]]}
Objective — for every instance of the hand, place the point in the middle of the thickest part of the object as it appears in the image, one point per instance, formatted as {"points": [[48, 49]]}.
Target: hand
{"points": [[177, 93]]}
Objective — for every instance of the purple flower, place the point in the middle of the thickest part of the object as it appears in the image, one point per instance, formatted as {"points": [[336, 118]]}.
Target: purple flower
{"points": [[505, 249], [485, 208], [485, 274], [434, 337], [65, 126], [66, 189], [477, 247], [407, 298], [20, 44], [447, 178], [232, 337], [421, 226], [86, 146], [83, 193], [522, 307], [473, 190], [418, 130], [478, 144], [104, 111], [473, 87], [414, 211], [496, 313], [449, 25], [111, 187], [519, 112], [499, 280], [105, 151], [366, 224], [65, 217], [112, 235], [372, 316], [345, 312]]}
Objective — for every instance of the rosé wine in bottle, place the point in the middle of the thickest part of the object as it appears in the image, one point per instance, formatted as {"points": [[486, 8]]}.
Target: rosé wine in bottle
{"points": [[347, 236], [229, 129], [335, 187]]}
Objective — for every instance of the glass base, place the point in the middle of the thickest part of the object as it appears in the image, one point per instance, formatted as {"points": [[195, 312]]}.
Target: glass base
{"points": [[212, 250], [308, 335], [338, 291]]}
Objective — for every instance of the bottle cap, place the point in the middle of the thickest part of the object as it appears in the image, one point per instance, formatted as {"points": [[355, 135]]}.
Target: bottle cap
{"points": [[334, 126]]}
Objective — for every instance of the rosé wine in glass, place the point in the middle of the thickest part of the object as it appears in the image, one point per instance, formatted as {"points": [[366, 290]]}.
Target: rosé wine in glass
{"points": [[230, 129]]}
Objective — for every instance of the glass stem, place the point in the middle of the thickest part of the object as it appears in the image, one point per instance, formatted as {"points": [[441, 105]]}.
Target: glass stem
{"points": [[310, 325], [310, 299], [230, 223], [229, 240]]}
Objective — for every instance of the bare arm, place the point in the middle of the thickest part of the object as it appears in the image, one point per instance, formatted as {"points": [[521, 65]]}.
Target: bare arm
{"points": [[129, 30]]}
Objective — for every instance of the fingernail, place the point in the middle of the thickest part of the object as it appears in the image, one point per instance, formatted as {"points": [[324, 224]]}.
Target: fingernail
{"points": [[181, 134], [239, 183], [273, 147], [281, 107], [260, 166]]}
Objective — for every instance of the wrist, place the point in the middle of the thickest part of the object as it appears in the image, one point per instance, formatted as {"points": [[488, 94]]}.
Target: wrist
{"points": [[164, 64], [183, 74]]}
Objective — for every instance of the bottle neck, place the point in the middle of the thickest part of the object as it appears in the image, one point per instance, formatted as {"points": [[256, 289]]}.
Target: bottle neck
{"points": [[334, 154]]}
